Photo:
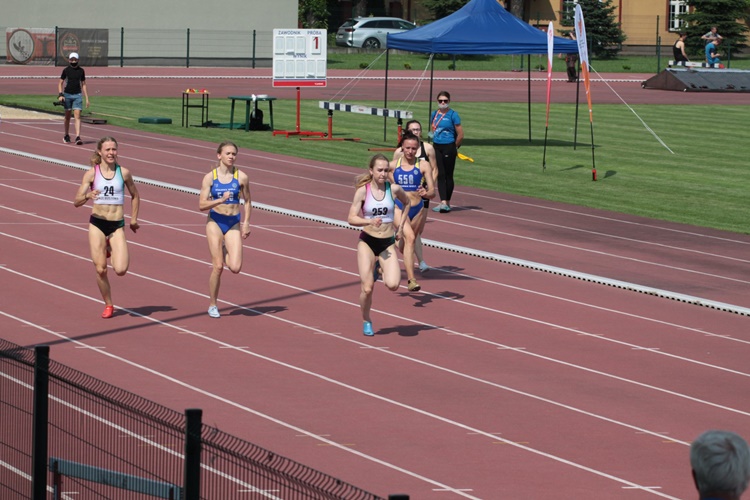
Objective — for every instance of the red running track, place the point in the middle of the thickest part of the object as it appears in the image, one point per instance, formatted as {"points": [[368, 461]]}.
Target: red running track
{"points": [[353, 86], [497, 381]]}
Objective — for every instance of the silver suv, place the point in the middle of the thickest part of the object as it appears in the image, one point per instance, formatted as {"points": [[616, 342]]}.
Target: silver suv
{"points": [[370, 32]]}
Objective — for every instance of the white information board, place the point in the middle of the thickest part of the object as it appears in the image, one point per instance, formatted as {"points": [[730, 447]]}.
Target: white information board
{"points": [[300, 58]]}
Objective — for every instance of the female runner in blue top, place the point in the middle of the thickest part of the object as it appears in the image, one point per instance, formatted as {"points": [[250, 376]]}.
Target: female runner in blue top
{"points": [[425, 153], [105, 184], [221, 191], [372, 210], [412, 175]]}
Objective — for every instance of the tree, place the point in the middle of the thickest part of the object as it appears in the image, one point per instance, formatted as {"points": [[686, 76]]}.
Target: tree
{"points": [[359, 8], [442, 8], [605, 37], [725, 15], [517, 8], [313, 14]]}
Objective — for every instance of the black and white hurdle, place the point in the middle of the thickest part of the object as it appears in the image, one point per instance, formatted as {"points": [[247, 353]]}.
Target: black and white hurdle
{"points": [[366, 110], [690, 64], [399, 114]]}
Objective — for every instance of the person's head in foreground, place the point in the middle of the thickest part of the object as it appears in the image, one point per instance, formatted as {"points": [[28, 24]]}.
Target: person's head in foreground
{"points": [[721, 465]]}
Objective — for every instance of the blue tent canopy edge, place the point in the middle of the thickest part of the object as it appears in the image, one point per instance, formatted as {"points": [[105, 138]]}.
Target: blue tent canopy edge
{"points": [[479, 27]]}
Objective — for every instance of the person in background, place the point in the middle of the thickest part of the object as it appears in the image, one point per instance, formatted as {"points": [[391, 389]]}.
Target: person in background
{"points": [[220, 195], [104, 183], [679, 49], [712, 52], [425, 153], [372, 209], [712, 35], [71, 92], [447, 134], [571, 62], [720, 462]]}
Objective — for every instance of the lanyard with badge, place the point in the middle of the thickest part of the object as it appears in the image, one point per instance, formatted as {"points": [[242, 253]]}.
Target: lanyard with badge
{"points": [[435, 124]]}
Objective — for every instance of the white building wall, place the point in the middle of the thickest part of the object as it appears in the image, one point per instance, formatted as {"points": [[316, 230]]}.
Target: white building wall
{"points": [[157, 30], [152, 14]]}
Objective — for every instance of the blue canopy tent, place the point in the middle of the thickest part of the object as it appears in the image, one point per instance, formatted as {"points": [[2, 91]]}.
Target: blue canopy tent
{"points": [[479, 27]]}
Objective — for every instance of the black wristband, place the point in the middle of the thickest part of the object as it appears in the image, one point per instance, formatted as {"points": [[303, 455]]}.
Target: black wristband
{"points": [[60, 95]]}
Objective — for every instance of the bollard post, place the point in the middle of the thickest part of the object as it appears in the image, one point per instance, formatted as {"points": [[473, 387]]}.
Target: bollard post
{"points": [[192, 478], [40, 425]]}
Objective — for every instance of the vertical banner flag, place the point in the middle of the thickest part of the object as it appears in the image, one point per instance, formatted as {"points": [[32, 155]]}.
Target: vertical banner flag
{"points": [[583, 55], [550, 47]]}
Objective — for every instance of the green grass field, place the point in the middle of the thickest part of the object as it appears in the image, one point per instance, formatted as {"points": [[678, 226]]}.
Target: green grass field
{"points": [[704, 181]]}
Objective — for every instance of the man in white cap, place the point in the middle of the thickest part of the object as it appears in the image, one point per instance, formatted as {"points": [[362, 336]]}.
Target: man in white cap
{"points": [[74, 79]]}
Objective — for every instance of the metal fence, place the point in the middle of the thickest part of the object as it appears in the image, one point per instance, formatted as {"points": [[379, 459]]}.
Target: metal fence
{"points": [[148, 47], [191, 48], [69, 434], [252, 48]]}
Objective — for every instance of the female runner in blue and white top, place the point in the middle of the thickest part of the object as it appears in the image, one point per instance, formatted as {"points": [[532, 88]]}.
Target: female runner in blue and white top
{"points": [[425, 154], [372, 210], [412, 175], [105, 184], [221, 191]]}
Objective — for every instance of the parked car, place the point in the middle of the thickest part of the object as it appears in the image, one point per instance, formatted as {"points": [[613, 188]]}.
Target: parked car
{"points": [[370, 32]]}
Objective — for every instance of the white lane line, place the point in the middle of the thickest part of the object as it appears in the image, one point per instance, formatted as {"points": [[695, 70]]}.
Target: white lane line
{"points": [[488, 342], [334, 444], [721, 306]]}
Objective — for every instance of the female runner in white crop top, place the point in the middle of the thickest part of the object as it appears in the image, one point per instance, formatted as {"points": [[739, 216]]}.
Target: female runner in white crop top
{"points": [[372, 210], [104, 183]]}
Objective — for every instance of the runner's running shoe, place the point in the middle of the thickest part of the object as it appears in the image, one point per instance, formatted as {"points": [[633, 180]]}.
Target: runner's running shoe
{"points": [[108, 312], [367, 329]]}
